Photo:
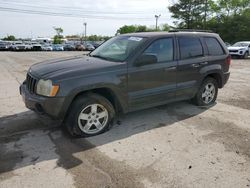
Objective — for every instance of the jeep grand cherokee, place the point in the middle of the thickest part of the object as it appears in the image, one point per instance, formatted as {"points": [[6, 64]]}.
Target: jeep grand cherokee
{"points": [[127, 73]]}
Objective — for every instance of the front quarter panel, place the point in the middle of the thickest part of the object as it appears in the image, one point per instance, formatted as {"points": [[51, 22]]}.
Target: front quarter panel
{"points": [[116, 81]]}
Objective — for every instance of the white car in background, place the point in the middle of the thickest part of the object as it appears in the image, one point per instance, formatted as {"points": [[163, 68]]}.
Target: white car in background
{"points": [[18, 46], [47, 47], [240, 49]]}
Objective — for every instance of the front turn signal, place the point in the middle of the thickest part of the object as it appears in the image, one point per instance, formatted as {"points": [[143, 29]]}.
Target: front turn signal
{"points": [[54, 90]]}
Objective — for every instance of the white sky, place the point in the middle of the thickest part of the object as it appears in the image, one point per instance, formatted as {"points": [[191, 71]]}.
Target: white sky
{"points": [[27, 25]]}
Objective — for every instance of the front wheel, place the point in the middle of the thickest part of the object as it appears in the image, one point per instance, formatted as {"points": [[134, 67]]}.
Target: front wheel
{"points": [[89, 115], [207, 94], [246, 55]]}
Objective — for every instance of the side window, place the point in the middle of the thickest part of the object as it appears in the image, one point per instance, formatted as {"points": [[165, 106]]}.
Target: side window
{"points": [[214, 47], [162, 49], [190, 47]]}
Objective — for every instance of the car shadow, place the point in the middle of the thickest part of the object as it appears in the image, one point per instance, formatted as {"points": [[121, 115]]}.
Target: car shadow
{"points": [[27, 139]]}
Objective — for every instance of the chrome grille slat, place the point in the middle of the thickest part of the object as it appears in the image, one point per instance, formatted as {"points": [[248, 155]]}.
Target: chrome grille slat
{"points": [[31, 83]]}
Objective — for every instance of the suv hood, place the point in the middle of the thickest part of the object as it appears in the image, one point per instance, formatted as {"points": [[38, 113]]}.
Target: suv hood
{"points": [[73, 66], [236, 47]]}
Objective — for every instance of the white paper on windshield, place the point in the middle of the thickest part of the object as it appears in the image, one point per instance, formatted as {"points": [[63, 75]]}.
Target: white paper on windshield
{"points": [[135, 38]]}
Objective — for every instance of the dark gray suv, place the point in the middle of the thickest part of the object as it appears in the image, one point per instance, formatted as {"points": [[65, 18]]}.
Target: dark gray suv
{"points": [[127, 73]]}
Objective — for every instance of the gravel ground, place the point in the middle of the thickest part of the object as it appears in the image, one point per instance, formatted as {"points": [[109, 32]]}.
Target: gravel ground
{"points": [[177, 145]]}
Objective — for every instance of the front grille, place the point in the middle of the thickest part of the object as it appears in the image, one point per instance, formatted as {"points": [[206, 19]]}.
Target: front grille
{"points": [[31, 83], [233, 51]]}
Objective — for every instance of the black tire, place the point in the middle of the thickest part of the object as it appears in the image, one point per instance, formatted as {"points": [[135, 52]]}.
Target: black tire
{"points": [[80, 103], [199, 100], [245, 56]]}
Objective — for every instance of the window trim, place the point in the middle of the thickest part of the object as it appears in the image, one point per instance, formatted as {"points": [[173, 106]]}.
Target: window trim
{"points": [[179, 46]]}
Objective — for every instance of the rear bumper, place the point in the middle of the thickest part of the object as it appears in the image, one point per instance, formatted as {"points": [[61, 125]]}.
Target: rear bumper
{"points": [[51, 106], [225, 78]]}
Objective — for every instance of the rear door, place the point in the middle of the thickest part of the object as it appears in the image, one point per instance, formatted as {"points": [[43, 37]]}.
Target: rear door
{"points": [[153, 84], [191, 60]]}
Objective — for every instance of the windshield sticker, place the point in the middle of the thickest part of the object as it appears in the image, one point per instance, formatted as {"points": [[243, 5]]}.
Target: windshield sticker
{"points": [[135, 38]]}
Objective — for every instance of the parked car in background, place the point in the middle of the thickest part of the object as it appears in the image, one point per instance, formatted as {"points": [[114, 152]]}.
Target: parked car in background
{"points": [[58, 47], [80, 47], [90, 47], [28, 46], [240, 49], [36, 46], [4, 46], [69, 47], [18, 46], [47, 47], [96, 44]]}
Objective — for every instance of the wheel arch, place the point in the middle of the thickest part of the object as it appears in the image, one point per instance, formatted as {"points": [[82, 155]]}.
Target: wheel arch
{"points": [[217, 77], [108, 93]]}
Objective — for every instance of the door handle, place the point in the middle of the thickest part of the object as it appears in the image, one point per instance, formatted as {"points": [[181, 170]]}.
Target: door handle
{"points": [[195, 65], [170, 68], [204, 63]]}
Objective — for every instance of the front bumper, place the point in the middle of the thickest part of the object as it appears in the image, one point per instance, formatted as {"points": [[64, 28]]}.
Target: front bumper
{"points": [[51, 106], [237, 53]]}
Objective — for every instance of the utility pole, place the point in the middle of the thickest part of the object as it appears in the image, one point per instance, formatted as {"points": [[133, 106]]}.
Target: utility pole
{"points": [[85, 31], [156, 21]]}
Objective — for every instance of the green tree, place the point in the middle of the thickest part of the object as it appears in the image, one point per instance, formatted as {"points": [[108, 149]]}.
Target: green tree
{"points": [[126, 29], [58, 37], [165, 27], [229, 7], [192, 14], [232, 28], [229, 18], [10, 38], [141, 28], [93, 38]]}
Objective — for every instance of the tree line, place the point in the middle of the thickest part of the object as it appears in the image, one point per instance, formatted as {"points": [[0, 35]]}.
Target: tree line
{"points": [[229, 18]]}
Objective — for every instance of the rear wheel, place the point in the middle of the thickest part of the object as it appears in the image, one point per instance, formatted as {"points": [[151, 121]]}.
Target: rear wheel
{"points": [[89, 115], [207, 93]]}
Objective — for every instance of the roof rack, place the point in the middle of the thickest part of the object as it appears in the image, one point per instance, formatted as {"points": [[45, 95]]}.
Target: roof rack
{"points": [[190, 30]]}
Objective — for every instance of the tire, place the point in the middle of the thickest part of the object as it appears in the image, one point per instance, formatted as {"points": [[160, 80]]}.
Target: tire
{"points": [[245, 56], [89, 115], [207, 93]]}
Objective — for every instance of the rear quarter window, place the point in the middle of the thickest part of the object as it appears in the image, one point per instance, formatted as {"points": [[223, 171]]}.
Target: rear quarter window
{"points": [[214, 47], [190, 47]]}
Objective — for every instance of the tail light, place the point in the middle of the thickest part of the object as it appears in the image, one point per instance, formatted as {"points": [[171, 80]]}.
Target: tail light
{"points": [[229, 60]]}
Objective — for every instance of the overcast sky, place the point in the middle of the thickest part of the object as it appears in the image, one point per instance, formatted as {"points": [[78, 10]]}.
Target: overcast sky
{"points": [[103, 17]]}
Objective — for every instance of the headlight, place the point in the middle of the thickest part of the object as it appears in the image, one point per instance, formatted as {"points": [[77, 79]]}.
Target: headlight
{"points": [[46, 88]]}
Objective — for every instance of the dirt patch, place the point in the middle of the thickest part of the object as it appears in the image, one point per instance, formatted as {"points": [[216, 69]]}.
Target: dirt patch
{"points": [[92, 168], [9, 159], [241, 103]]}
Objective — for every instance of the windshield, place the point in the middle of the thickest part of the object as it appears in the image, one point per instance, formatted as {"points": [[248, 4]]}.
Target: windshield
{"points": [[240, 44], [118, 48]]}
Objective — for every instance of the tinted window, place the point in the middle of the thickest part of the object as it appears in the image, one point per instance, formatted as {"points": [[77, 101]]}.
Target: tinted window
{"points": [[162, 49], [190, 47], [214, 47]]}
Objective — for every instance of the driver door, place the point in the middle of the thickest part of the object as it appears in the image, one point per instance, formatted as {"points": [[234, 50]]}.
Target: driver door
{"points": [[153, 84]]}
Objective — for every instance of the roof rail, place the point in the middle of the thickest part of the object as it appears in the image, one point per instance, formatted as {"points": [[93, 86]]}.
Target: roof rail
{"points": [[190, 30]]}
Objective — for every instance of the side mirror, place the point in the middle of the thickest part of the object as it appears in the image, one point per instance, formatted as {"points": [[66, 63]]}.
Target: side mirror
{"points": [[146, 59]]}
